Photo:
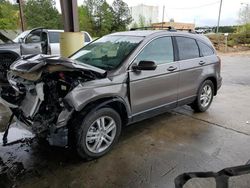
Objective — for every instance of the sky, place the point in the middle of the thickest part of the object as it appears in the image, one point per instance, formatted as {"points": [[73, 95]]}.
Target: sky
{"points": [[202, 13]]}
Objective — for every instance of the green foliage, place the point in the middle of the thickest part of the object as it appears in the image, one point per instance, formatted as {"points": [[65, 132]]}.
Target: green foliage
{"points": [[103, 18], [106, 19], [100, 16], [9, 15], [122, 15], [96, 16], [85, 20], [134, 25], [244, 28], [227, 29], [42, 13], [239, 38]]}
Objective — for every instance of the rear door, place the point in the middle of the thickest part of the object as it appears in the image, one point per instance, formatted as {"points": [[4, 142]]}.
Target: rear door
{"points": [[155, 88], [191, 68]]}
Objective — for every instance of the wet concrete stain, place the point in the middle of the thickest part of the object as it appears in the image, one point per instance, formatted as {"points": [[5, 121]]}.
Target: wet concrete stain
{"points": [[150, 153]]}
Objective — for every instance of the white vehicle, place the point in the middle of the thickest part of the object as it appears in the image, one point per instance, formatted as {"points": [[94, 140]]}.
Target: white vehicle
{"points": [[43, 41]]}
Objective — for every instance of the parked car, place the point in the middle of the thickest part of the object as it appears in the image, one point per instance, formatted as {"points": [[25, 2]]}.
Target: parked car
{"points": [[43, 41], [117, 80], [36, 41]]}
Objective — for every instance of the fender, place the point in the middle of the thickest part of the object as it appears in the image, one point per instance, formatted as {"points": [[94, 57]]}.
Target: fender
{"points": [[99, 103]]}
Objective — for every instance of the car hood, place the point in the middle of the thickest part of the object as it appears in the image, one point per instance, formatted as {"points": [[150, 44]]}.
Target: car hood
{"points": [[9, 46], [5, 39], [33, 63]]}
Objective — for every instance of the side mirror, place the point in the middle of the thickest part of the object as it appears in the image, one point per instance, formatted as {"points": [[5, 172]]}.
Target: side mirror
{"points": [[21, 40], [145, 65]]}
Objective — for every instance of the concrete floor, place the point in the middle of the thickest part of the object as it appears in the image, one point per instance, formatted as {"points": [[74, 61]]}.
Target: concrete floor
{"points": [[150, 153]]}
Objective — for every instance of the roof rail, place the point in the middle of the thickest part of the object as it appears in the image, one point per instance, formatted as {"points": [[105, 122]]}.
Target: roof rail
{"points": [[188, 30], [169, 28]]}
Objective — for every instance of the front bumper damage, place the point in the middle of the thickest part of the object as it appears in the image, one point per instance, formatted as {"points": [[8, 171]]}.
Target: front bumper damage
{"points": [[57, 134]]}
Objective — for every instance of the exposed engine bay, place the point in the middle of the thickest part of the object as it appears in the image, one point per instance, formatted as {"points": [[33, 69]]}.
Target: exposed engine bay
{"points": [[36, 92]]}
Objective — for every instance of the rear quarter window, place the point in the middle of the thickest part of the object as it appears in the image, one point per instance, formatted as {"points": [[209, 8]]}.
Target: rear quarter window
{"points": [[187, 48], [205, 49]]}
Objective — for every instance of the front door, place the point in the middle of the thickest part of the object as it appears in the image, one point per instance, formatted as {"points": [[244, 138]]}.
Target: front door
{"points": [[36, 42], [152, 89]]}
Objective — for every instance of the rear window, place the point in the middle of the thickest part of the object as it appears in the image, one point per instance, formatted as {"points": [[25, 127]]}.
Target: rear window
{"points": [[187, 48], [205, 49], [54, 37]]}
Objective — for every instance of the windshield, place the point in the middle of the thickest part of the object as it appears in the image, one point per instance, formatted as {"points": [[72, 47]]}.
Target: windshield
{"points": [[22, 35], [107, 52]]}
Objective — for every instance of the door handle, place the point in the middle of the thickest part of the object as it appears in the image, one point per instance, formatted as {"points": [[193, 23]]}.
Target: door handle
{"points": [[171, 68], [202, 62]]}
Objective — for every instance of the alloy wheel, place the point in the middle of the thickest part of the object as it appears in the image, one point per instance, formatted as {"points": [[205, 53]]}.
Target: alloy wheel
{"points": [[101, 134]]}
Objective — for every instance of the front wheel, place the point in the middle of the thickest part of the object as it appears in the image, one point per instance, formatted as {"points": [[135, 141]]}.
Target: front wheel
{"points": [[98, 132], [205, 97]]}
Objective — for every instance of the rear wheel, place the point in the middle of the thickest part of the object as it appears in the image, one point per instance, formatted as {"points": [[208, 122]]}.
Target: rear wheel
{"points": [[205, 97], [98, 132]]}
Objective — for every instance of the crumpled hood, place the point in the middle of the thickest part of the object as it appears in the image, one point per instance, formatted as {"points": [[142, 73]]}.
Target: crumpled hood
{"points": [[32, 63], [4, 39]]}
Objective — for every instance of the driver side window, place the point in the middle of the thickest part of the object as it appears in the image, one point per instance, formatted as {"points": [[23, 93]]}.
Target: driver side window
{"points": [[34, 37], [159, 50]]}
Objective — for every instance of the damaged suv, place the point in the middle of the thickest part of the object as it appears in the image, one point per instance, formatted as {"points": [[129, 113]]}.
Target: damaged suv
{"points": [[119, 79]]}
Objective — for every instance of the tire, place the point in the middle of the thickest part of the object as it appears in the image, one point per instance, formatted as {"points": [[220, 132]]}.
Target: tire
{"points": [[201, 105], [92, 138]]}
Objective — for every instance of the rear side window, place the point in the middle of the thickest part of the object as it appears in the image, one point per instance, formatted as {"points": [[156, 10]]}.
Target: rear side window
{"points": [[187, 48], [205, 49], [159, 50], [54, 37]]}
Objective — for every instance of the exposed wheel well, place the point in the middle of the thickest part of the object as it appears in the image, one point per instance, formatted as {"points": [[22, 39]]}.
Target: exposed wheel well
{"points": [[6, 59]]}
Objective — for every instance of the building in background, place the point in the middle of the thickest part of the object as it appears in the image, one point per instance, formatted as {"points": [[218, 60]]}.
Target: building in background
{"points": [[144, 15], [176, 25]]}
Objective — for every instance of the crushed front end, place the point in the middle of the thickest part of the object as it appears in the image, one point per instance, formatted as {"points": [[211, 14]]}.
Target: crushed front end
{"points": [[38, 86]]}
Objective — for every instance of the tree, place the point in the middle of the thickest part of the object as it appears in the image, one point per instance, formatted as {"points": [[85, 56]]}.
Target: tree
{"points": [[85, 19], [42, 13], [134, 25], [122, 16], [244, 15], [106, 18], [100, 15], [142, 21], [9, 15]]}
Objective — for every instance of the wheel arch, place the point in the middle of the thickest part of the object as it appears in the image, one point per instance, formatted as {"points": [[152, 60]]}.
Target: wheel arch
{"points": [[213, 80], [10, 52], [116, 103]]}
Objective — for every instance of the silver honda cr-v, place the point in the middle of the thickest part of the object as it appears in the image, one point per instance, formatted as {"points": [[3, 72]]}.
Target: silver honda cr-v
{"points": [[85, 100]]}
